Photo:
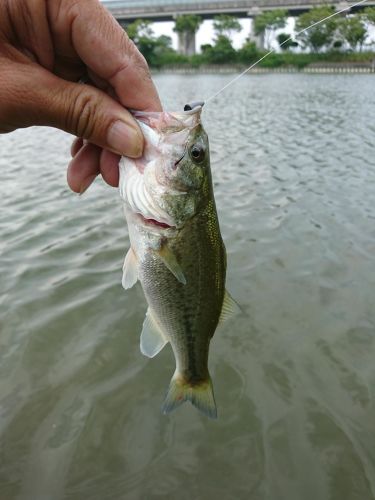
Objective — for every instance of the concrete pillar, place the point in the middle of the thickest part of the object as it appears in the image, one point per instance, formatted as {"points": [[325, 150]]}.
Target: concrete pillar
{"points": [[258, 39], [186, 43]]}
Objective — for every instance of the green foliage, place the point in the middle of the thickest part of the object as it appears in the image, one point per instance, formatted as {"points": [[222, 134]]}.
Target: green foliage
{"points": [[320, 36], [285, 42], [196, 60], [156, 50], [268, 21], [272, 61], [302, 60], [248, 53], [142, 34], [170, 58], [369, 14], [337, 45], [187, 23], [220, 53], [225, 25], [140, 28], [353, 31]]}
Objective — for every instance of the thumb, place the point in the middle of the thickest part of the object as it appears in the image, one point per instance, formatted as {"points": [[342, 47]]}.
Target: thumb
{"points": [[41, 98]]}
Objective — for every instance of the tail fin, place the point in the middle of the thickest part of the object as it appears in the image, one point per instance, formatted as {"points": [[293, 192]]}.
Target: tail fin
{"points": [[201, 395]]}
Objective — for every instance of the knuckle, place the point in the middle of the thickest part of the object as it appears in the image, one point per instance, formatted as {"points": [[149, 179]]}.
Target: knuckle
{"points": [[61, 10], [82, 114], [11, 101]]}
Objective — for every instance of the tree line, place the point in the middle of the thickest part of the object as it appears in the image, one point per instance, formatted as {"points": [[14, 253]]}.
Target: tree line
{"points": [[332, 39]]}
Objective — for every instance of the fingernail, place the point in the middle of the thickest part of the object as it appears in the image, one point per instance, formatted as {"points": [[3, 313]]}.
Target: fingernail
{"points": [[86, 184], [125, 139]]}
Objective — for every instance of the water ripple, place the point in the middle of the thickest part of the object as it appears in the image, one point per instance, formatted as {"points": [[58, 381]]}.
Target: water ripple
{"points": [[293, 168]]}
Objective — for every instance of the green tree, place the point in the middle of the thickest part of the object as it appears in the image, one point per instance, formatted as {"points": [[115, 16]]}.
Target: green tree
{"points": [[187, 22], [142, 34], [140, 28], [156, 50], [268, 21], [285, 41], [353, 31], [248, 53], [369, 14], [320, 36], [220, 53], [225, 25], [369, 17]]}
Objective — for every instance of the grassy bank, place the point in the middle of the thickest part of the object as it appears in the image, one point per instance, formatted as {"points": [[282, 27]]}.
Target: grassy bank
{"points": [[273, 61]]}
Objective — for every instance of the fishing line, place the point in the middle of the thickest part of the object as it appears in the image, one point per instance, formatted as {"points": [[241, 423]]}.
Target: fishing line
{"points": [[281, 44]]}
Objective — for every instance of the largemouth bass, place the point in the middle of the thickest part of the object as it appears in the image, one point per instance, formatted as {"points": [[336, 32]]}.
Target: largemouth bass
{"points": [[177, 252]]}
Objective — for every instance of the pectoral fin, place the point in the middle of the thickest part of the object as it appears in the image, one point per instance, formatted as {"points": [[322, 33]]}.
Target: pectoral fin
{"points": [[229, 308], [130, 270], [152, 338], [170, 261]]}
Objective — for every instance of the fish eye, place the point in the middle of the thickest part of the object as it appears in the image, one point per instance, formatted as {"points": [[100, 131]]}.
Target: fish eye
{"points": [[197, 153]]}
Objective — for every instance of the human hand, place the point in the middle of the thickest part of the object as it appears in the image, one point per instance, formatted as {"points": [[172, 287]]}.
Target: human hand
{"points": [[46, 46]]}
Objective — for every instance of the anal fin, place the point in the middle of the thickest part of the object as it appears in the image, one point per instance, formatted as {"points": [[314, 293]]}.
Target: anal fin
{"points": [[152, 337]]}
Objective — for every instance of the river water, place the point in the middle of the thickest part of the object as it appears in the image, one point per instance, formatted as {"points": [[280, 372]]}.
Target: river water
{"points": [[293, 161]]}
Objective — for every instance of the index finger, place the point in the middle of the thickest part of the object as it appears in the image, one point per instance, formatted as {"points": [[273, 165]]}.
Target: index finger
{"points": [[106, 49]]}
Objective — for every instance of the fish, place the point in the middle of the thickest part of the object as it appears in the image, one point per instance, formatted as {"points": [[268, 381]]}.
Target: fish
{"points": [[176, 249]]}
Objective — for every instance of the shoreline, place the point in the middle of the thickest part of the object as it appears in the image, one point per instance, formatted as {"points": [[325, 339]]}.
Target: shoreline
{"points": [[330, 68]]}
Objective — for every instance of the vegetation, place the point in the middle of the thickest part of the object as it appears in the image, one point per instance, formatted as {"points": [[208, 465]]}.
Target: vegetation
{"points": [[353, 31], [285, 42], [248, 53], [339, 39], [269, 21], [320, 36], [187, 23], [157, 51], [369, 15], [224, 25], [222, 51]]}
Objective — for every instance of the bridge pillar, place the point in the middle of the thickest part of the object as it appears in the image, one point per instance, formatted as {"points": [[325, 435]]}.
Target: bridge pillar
{"points": [[258, 39], [186, 43]]}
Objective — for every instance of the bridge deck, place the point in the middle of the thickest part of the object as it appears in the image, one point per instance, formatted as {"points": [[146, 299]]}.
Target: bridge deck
{"points": [[160, 10]]}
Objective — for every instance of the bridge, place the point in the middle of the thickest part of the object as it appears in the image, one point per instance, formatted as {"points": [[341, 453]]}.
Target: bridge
{"points": [[167, 10], [127, 11]]}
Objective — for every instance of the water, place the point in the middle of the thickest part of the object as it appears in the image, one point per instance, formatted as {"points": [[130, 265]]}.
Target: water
{"points": [[293, 160]]}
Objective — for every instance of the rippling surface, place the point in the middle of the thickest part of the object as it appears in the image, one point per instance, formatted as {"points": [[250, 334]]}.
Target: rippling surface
{"points": [[293, 161]]}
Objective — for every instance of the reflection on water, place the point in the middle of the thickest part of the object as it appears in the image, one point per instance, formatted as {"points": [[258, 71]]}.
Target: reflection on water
{"points": [[293, 166]]}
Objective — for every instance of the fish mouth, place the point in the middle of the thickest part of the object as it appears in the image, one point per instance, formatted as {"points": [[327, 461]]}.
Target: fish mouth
{"points": [[155, 223], [178, 161], [158, 224], [181, 158]]}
